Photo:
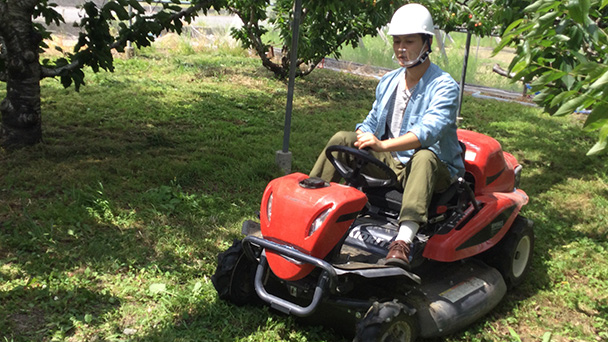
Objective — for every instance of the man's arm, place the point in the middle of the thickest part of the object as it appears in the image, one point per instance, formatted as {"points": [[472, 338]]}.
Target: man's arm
{"points": [[408, 141]]}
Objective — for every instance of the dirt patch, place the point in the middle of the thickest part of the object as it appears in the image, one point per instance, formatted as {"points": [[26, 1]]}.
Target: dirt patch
{"points": [[28, 323]]}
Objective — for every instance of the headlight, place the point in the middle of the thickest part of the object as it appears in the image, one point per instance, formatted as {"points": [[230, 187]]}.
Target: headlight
{"points": [[517, 176], [269, 207], [318, 222]]}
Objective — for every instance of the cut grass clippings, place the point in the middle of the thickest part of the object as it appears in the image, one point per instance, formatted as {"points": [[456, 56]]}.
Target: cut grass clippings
{"points": [[109, 230]]}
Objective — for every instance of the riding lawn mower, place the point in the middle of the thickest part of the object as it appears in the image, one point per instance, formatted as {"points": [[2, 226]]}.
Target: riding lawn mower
{"points": [[318, 251]]}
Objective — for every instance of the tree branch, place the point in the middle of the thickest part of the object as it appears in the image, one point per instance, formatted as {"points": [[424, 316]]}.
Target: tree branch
{"points": [[190, 10], [250, 24], [122, 41], [502, 72], [54, 72], [312, 66]]}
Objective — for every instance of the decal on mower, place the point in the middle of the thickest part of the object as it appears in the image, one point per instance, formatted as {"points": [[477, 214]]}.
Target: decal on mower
{"points": [[490, 230], [459, 291], [491, 179], [368, 238]]}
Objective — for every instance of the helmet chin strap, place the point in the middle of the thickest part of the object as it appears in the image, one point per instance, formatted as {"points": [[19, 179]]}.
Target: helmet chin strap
{"points": [[424, 54]]}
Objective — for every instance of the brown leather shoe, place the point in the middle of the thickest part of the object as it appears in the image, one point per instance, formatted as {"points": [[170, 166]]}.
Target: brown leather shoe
{"points": [[398, 254]]}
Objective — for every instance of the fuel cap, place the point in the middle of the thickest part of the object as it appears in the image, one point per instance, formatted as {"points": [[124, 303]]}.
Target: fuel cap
{"points": [[313, 183]]}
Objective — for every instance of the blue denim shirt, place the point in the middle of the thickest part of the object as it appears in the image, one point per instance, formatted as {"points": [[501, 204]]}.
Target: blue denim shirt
{"points": [[430, 114]]}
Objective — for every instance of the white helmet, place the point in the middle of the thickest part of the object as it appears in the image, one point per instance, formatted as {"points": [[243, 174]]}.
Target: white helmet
{"points": [[411, 19]]}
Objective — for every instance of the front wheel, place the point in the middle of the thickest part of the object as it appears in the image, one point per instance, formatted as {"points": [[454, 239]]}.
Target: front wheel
{"points": [[386, 322], [234, 276]]}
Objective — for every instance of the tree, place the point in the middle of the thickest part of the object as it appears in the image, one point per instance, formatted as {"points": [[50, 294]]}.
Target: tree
{"points": [[325, 27], [562, 49], [328, 25], [479, 17], [21, 40]]}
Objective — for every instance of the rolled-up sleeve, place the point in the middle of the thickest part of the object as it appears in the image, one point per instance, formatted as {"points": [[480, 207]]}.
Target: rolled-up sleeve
{"points": [[439, 115], [371, 121]]}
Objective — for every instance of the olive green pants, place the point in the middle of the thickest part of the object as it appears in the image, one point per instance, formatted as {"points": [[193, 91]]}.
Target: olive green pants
{"points": [[419, 178]]}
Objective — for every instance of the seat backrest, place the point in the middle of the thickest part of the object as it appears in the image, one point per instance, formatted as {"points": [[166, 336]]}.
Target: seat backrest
{"points": [[463, 147]]}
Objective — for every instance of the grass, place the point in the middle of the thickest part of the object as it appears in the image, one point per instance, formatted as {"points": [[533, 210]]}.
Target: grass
{"points": [[378, 51], [109, 230]]}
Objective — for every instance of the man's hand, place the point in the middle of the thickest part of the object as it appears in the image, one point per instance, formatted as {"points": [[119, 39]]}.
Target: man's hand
{"points": [[408, 141], [369, 140]]}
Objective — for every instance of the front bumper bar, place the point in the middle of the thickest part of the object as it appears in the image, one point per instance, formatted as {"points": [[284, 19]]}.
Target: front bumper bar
{"points": [[326, 281]]}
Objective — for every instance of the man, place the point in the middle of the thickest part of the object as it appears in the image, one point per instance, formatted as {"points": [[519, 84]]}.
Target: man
{"points": [[411, 127]]}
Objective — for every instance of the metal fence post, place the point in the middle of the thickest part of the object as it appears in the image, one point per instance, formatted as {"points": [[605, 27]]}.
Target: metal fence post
{"points": [[464, 71], [283, 157], [129, 49]]}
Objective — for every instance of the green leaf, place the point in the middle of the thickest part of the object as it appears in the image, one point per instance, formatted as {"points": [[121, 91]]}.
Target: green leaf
{"points": [[570, 106], [545, 95], [562, 96], [548, 18], [115, 7], [88, 318], [547, 77], [585, 67], [197, 287], [600, 82], [535, 6], [157, 288], [602, 144], [597, 118], [521, 65], [515, 24], [579, 10], [514, 334]]}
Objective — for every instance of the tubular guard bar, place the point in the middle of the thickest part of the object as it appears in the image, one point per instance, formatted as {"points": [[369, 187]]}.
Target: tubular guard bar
{"points": [[285, 306]]}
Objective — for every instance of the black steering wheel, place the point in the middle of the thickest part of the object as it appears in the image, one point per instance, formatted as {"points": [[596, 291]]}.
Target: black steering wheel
{"points": [[360, 158]]}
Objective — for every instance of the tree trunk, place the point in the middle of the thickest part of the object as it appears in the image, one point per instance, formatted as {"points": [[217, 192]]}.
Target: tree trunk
{"points": [[21, 113]]}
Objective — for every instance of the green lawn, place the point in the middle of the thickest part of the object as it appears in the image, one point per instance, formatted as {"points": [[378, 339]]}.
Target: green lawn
{"points": [[109, 230]]}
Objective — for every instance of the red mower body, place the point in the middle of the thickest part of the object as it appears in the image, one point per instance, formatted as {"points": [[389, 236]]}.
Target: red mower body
{"points": [[289, 211], [493, 173], [311, 220]]}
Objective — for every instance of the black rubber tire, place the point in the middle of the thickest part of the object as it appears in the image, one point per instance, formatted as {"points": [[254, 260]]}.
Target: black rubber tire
{"points": [[512, 256], [386, 322], [234, 276]]}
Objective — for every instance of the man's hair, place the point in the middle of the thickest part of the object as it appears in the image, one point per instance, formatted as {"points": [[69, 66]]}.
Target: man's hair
{"points": [[426, 37]]}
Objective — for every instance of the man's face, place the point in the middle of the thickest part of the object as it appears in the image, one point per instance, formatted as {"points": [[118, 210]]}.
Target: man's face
{"points": [[407, 47]]}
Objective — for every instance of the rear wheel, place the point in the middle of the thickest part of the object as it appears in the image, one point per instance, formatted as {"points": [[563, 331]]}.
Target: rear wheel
{"points": [[385, 322], [512, 256], [234, 276]]}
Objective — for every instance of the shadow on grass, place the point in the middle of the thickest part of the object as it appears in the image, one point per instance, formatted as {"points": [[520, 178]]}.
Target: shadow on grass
{"points": [[30, 311], [125, 182], [221, 321]]}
